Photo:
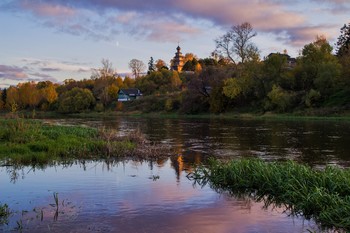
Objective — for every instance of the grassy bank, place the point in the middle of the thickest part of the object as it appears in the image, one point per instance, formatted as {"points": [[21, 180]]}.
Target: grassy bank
{"points": [[24, 141], [321, 195]]}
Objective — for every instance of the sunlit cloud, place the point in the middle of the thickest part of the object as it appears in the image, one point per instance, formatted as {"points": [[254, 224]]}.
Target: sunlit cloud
{"points": [[43, 9], [158, 20], [12, 72]]}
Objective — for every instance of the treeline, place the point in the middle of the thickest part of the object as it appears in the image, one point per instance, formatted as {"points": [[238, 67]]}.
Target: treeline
{"points": [[233, 79], [95, 94]]}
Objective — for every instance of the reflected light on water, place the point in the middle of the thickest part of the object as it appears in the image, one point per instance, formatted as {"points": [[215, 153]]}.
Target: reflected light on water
{"points": [[125, 197]]}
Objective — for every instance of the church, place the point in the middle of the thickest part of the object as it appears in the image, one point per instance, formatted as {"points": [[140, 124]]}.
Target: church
{"points": [[178, 61]]}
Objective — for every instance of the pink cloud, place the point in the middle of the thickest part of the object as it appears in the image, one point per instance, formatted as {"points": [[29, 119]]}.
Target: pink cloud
{"points": [[159, 20], [12, 72], [43, 9], [300, 36]]}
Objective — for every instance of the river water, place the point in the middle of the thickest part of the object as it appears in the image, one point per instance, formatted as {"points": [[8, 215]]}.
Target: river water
{"points": [[133, 196]]}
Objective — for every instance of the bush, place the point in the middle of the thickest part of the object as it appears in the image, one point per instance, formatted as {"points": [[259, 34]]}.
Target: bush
{"points": [[76, 100]]}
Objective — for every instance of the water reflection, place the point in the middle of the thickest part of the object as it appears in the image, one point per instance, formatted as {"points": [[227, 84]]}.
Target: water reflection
{"points": [[97, 196], [317, 143]]}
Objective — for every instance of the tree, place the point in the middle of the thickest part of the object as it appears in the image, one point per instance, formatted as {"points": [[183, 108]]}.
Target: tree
{"points": [[29, 95], [49, 94], [3, 98], [319, 69], [12, 99], [236, 44], [343, 43], [128, 82], [76, 100], [2, 103], [160, 64], [151, 66], [119, 82], [137, 67], [105, 71]]}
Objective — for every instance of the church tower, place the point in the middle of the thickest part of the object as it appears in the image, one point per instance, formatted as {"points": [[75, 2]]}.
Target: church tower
{"points": [[178, 61]]}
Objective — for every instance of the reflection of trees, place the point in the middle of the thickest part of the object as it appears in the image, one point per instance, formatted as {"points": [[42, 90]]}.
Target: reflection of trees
{"points": [[185, 162]]}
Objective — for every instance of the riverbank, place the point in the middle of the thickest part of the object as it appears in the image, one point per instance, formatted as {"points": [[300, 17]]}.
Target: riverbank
{"points": [[344, 116], [323, 195]]}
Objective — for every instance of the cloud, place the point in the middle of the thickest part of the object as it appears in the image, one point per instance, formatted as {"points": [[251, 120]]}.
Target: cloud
{"points": [[15, 74], [51, 65], [169, 20], [12, 72], [298, 36], [43, 9], [48, 69]]}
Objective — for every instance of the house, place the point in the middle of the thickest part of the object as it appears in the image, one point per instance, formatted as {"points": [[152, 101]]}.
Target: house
{"points": [[129, 94]]}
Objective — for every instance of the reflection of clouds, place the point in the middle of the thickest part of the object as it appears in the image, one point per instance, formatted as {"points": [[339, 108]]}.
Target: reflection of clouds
{"points": [[122, 197]]}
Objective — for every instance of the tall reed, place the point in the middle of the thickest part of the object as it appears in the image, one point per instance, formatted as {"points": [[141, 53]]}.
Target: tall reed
{"points": [[323, 195]]}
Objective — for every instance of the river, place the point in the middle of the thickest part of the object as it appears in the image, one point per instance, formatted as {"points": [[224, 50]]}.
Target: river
{"points": [[135, 196]]}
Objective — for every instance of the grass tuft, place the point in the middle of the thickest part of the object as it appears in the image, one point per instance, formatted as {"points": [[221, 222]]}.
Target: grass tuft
{"points": [[321, 195]]}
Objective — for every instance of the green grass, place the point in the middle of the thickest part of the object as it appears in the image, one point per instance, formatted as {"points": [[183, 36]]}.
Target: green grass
{"points": [[323, 195], [4, 213], [26, 142]]}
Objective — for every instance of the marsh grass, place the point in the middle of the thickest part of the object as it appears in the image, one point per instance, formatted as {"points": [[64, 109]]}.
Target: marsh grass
{"points": [[323, 195], [26, 142], [4, 213]]}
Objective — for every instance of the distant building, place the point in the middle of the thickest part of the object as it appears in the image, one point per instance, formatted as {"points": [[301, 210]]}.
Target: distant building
{"points": [[291, 62], [178, 60], [129, 94]]}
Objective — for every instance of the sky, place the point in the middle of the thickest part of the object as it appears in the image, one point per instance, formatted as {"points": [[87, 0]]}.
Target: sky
{"points": [[63, 39]]}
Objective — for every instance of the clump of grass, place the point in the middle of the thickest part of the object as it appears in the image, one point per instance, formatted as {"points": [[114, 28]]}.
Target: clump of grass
{"points": [[4, 213], [321, 195]]}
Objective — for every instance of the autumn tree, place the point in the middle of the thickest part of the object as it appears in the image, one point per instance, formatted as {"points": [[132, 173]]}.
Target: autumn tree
{"points": [[49, 96], [119, 82], [103, 80], [137, 67], [29, 95], [128, 82], [12, 99], [2, 103], [236, 44], [160, 64]]}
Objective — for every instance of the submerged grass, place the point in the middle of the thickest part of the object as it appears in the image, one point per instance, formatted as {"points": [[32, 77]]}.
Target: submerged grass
{"points": [[321, 195], [25, 142], [4, 213]]}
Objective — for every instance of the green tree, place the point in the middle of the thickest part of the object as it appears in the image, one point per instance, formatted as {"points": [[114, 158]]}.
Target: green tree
{"points": [[343, 43], [76, 100], [318, 68], [280, 98], [151, 66]]}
